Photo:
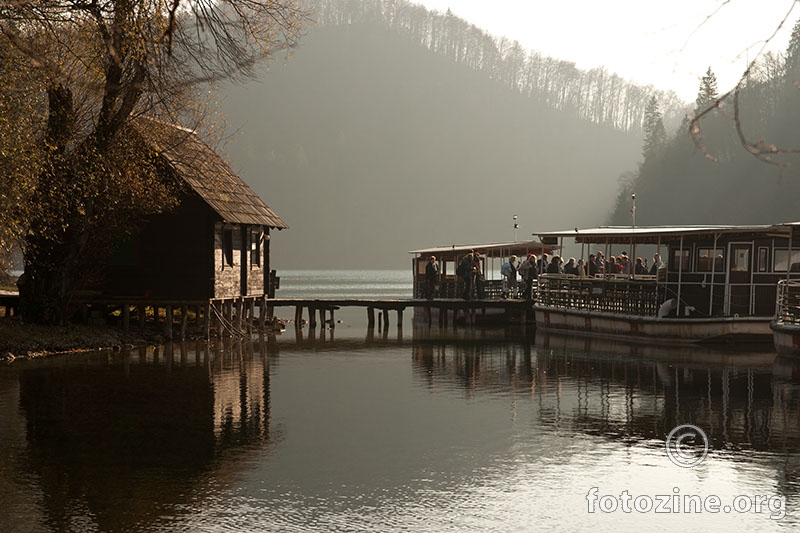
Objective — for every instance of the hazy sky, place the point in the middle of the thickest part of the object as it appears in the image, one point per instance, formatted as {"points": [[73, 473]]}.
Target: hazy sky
{"points": [[667, 43]]}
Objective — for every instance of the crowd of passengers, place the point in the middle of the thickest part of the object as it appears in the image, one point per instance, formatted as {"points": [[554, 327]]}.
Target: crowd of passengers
{"points": [[469, 271]]}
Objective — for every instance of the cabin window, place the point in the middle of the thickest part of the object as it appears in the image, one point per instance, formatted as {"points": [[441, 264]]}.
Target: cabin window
{"points": [[762, 259], [227, 247], [782, 258], [740, 260], [255, 248], [422, 263], [450, 268], [704, 256], [680, 260]]}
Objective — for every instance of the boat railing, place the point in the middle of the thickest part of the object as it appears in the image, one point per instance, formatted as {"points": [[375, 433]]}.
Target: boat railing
{"points": [[787, 306], [630, 295], [454, 288]]}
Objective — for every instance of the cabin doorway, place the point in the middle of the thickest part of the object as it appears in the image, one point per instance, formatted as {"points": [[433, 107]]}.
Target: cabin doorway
{"points": [[740, 278]]}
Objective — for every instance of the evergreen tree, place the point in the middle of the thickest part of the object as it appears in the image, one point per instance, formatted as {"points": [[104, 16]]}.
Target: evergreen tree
{"points": [[655, 134], [792, 65], [708, 93]]}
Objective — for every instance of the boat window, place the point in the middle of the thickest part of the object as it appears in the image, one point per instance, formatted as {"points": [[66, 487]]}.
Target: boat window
{"points": [[422, 263], [704, 256], [762, 258], [740, 262], [449, 268], [678, 262], [781, 258]]}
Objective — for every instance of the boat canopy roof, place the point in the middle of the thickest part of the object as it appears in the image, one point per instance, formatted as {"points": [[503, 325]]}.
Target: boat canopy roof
{"points": [[509, 248], [654, 234]]}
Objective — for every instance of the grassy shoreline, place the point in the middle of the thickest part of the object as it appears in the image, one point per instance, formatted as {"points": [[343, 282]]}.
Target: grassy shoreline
{"points": [[20, 340]]}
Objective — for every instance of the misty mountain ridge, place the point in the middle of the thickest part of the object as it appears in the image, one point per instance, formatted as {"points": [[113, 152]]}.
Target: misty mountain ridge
{"points": [[369, 145]]}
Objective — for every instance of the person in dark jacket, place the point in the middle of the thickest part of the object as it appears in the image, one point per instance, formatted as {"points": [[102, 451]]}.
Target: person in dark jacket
{"points": [[465, 271], [431, 277]]}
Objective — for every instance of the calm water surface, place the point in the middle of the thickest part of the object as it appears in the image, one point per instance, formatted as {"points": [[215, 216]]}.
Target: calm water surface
{"points": [[398, 430]]}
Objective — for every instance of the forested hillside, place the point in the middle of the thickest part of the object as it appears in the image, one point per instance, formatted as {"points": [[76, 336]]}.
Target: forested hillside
{"points": [[722, 181], [371, 141]]}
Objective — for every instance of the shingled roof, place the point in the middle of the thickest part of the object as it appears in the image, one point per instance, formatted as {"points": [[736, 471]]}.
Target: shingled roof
{"points": [[208, 174]]}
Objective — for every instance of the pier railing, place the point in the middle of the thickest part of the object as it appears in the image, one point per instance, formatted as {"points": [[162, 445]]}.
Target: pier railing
{"points": [[629, 296], [787, 306]]}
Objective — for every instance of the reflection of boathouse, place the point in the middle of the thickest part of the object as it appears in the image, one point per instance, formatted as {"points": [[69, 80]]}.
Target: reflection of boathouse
{"points": [[132, 436]]}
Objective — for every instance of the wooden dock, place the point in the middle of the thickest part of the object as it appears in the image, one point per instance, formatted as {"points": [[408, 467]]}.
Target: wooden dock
{"points": [[447, 309], [240, 316]]}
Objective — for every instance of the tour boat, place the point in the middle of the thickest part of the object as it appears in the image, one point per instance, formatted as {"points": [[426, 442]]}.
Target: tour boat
{"points": [[717, 283]]}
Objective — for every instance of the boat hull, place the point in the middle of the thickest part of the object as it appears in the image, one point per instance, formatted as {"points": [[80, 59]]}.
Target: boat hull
{"points": [[786, 337], [663, 330]]}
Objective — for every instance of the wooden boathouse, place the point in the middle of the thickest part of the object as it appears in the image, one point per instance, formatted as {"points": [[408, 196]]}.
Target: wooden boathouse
{"points": [[210, 255]]}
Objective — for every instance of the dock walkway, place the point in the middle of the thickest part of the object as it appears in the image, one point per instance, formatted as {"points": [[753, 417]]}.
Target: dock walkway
{"points": [[445, 307]]}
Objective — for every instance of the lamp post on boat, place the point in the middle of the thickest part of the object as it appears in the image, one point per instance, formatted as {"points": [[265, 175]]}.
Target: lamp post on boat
{"points": [[516, 227], [632, 259]]}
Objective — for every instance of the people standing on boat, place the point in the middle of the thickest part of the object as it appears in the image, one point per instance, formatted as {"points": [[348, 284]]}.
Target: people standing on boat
{"points": [[600, 263], [640, 268], [555, 265], [465, 271], [477, 277], [581, 268], [571, 267], [613, 266], [431, 277], [509, 273], [529, 272], [542, 263], [625, 264], [657, 263], [592, 264]]}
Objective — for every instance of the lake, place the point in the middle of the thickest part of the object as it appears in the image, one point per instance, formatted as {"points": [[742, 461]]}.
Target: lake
{"points": [[399, 430]]}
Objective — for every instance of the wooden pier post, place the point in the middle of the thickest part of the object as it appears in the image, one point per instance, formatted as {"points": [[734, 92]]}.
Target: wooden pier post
{"points": [[386, 318], [370, 318], [142, 310], [208, 320], [184, 318], [333, 319], [322, 318], [312, 317], [262, 314], [399, 318], [126, 317], [220, 316], [239, 313], [168, 321], [380, 321]]}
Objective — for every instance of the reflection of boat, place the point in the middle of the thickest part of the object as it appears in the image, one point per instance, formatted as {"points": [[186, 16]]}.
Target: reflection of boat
{"points": [[718, 283]]}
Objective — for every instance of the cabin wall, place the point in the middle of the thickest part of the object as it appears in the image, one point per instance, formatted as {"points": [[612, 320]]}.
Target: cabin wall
{"points": [[168, 258], [235, 272], [227, 260], [745, 292]]}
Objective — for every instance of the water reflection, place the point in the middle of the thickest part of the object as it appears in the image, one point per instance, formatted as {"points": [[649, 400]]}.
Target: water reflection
{"points": [[480, 430], [114, 442]]}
